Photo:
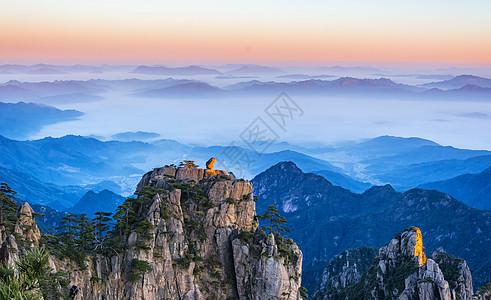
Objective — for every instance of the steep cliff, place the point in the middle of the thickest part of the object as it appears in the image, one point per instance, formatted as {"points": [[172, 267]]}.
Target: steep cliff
{"points": [[190, 234], [401, 270], [326, 220], [343, 270]]}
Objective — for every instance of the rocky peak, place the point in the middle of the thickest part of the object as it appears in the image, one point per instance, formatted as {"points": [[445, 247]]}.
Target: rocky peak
{"points": [[401, 270], [23, 234], [201, 242], [408, 243], [164, 176], [27, 226], [344, 270]]}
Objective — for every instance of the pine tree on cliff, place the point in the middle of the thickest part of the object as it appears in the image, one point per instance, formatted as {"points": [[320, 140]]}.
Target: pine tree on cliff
{"points": [[68, 228], [101, 226], [123, 216], [8, 207], [277, 223], [85, 239], [189, 164]]}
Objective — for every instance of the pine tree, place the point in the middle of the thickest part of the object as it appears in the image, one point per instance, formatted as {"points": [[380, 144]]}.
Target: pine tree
{"points": [[68, 229], [85, 235], [101, 226], [189, 164], [277, 223], [123, 215], [8, 207]]}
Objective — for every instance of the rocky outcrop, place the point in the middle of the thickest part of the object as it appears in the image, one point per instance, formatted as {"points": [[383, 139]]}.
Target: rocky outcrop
{"points": [[265, 268], [26, 225], [193, 245], [401, 270], [484, 293], [22, 234], [343, 270], [210, 164]]}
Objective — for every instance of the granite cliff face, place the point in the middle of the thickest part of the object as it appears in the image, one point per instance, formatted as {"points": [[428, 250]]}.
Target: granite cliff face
{"points": [[196, 237], [26, 231], [402, 271]]}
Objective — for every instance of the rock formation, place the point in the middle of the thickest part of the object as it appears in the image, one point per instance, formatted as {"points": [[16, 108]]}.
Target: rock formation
{"points": [[194, 236], [343, 270], [210, 164], [402, 271], [24, 233], [484, 293]]}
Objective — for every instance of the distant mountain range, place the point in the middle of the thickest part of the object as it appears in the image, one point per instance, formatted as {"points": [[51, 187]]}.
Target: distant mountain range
{"points": [[405, 177], [325, 219], [134, 136], [460, 82], [185, 90], [58, 69], [254, 70], [345, 86], [51, 92], [69, 98], [42, 171], [19, 120], [72, 91], [473, 189], [54, 163], [191, 70], [93, 202]]}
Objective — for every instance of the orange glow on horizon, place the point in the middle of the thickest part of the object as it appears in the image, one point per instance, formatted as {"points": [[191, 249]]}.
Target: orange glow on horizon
{"points": [[117, 39]]}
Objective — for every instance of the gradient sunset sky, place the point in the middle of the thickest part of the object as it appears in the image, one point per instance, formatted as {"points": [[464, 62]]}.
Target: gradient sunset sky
{"points": [[274, 32]]}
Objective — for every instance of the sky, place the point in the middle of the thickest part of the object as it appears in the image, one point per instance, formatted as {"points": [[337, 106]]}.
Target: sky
{"points": [[273, 32]]}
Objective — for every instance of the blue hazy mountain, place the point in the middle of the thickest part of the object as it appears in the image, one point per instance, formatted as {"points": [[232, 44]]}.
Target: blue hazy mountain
{"points": [[184, 90], [70, 159], [325, 219], [404, 177], [134, 136], [59, 69], [69, 99], [255, 70], [81, 162], [34, 191], [344, 181], [385, 146], [92, 202], [305, 76], [427, 153], [72, 90], [63, 168], [191, 70], [140, 85], [472, 189], [19, 120], [163, 88], [460, 82]]}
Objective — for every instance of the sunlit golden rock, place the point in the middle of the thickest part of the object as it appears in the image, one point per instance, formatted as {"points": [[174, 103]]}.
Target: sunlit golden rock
{"points": [[418, 248], [210, 164], [209, 172]]}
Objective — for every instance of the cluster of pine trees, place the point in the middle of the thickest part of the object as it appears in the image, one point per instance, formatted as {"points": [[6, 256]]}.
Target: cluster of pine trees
{"points": [[29, 277], [79, 236]]}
